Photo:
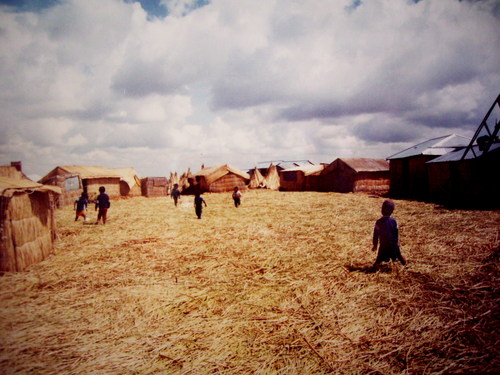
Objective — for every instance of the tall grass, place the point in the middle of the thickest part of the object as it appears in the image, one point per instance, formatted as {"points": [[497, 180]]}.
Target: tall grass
{"points": [[280, 285]]}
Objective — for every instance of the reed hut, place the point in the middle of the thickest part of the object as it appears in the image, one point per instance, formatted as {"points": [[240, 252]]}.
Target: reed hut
{"points": [[468, 182], [408, 168], [220, 179], [14, 170], [172, 180], [74, 179], [130, 183], [272, 178], [356, 175], [468, 177], [154, 187], [256, 179], [27, 223], [304, 178]]}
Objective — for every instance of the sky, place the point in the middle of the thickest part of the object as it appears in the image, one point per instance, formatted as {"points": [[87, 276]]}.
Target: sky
{"points": [[167, 85]]}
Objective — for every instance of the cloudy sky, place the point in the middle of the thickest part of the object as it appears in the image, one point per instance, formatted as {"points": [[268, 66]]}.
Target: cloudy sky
{"points": [[166, 85]]}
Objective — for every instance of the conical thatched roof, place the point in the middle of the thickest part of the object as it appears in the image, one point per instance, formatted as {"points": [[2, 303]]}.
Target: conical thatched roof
{"points": [[256, 179], [272, 178]]}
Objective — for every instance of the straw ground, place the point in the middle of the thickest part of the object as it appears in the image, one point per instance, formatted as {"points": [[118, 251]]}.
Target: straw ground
{"points": [[280, 285]]}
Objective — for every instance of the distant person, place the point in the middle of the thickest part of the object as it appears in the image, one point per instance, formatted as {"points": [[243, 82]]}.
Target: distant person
{"points": [[176, 194], [198, 204], [386, 230], [102, 203], [80, 206], [236, 197]]}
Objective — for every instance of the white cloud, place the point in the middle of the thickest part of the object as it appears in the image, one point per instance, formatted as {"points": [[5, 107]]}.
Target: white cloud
{"points": [[97, 82]]}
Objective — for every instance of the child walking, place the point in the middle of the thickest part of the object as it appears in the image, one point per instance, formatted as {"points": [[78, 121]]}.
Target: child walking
{"points": [[102, 203], [80, 206], [198, 204], [236, 197], [176, 194], [386, 230]]}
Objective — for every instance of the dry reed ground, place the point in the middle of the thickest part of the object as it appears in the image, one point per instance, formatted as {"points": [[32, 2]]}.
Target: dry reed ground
{"points": [[280, 285]]}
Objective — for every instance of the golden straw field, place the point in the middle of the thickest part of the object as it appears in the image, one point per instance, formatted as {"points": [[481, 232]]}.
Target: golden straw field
{"points": [[280, 285]]}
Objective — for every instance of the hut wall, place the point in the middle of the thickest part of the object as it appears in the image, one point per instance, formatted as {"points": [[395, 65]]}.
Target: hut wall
{"points": [[71, 188], [312, 183], [418, 181], [398, 173], [372, 183], [154, 186], [343, 178], [227, 183], [470, 183], [112, 185], [292, 181], [28, 230], [409, 177]]}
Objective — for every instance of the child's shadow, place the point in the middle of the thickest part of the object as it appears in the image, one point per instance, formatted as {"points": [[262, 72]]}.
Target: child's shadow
{"points": [[384, 268]]}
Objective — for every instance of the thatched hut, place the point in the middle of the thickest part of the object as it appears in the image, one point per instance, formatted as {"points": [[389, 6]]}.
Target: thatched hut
{"points": [[468, 177], [408, 168], [356, 175], [73, 179], [304, 178], [14, 170], [130, 183], [220, 179], [27, 224], [272, 178], [154, 187], [256, 179]]}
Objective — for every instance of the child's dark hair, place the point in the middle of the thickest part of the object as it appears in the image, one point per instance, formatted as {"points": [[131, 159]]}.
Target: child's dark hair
{"points": [[102, 189], [388, 207]]}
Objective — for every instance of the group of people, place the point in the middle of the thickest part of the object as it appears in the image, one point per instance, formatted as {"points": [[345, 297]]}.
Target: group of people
{"points": [[102, 203], [199, 202], [385, 233]]}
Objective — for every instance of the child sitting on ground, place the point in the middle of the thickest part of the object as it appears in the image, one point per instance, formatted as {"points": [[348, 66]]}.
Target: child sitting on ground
{"points": [[386, 229]]}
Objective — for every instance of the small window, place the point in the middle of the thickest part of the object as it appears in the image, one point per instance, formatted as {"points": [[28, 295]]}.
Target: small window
{"points": [[72, 183], [290, 176]]}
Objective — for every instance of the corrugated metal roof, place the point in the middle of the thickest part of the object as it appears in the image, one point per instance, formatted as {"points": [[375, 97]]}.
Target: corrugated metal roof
{"points": [[457, 154], [367, 165], [436, 146], [308, 170]]}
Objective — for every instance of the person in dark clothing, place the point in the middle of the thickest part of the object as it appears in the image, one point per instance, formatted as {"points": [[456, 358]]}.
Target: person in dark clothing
{"points": [[236, 197], [176, 194], [198, 204], [80, 206], [102, 203], [386, 230]]}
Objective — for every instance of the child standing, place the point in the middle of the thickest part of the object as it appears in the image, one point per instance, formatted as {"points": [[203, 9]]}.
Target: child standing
{"points": [[80, 206], [102, 203], [236, 197], [198, 204], [386, 229], [175, 195]]}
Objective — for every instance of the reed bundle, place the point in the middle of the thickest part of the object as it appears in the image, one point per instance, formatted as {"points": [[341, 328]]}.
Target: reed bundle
{"points": [[280, 285]]}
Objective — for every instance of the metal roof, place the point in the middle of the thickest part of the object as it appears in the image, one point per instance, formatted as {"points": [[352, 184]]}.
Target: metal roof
{"points": [[367, 165], [308, 170], [284, 164], [457, 154], [436, 146]]}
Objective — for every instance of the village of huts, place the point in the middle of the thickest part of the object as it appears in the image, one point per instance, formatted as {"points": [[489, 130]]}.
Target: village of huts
{"points": [[285, 286], [450, 169]]}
